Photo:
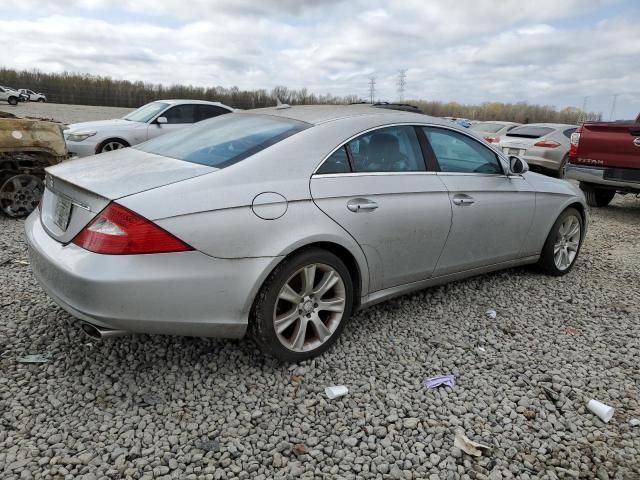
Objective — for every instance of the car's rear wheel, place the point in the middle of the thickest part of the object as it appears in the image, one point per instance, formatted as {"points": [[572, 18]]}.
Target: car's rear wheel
{"points": [[112, 144], [13, 101], [562, 171], [563, 244], [597, 197], [303, 306]]}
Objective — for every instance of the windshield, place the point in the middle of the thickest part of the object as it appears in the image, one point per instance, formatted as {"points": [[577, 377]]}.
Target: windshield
{"points": [[487, 127], [224, 140], [146, 112]]}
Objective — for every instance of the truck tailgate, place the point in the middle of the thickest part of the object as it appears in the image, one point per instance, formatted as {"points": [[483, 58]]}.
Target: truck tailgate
{"points": [[610, 144]]}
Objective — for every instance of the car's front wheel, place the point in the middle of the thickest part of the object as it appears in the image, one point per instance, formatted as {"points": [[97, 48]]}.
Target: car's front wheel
{"points": [[303, 306], [13, 101], [41, 100], [563, 244], [112, 144]]}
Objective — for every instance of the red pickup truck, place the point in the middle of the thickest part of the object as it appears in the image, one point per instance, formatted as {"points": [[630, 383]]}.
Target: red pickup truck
{"points": [[605, 159]]}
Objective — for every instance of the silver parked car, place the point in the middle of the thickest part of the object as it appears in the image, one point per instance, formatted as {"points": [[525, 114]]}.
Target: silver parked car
{"points": [[283, 221], [147, 122], [492, 131], [544, 146]]}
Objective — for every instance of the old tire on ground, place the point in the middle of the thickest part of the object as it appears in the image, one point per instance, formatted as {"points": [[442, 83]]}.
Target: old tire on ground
{"points": [[597, 197], [20, 194], [12, 100], [303, 306], [561, 249], [112, 144]]}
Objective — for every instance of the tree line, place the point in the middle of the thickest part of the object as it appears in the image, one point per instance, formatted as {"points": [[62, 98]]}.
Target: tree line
{"points": [[86, 89]]}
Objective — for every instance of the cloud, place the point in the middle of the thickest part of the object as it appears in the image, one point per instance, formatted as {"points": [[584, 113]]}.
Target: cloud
{"points": [[473, 50]]}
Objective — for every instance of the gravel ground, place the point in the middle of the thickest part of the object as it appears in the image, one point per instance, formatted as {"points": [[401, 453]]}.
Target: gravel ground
{"points": [[187, 408], [64, 113]]}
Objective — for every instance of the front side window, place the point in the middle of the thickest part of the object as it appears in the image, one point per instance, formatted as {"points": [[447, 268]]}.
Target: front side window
{"points": [[146, 112], [181, 114], [390, 149], [458, 153], [223, 140]]}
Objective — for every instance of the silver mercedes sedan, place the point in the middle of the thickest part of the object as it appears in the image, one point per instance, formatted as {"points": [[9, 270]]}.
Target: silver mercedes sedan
{"points": [[281, 222]]}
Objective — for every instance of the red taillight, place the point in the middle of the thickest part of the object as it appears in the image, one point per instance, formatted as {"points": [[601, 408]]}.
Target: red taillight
{"points": [[575, 141], [546, 144], [492, 139], [119, 231]]}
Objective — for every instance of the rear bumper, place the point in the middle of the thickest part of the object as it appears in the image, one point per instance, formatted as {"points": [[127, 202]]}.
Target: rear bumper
{"points": [[623, 179], [187, 293]]}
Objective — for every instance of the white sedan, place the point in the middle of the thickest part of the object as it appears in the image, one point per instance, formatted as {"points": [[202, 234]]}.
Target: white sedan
{"points": [[149, 121]]}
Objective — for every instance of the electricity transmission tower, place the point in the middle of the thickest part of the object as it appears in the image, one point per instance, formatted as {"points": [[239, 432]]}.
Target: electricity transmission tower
{"points": [[402, 76], [372, 88]]}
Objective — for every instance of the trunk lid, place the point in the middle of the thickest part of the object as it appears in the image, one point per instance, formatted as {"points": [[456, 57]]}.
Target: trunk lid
{"points": [[77, 190]]}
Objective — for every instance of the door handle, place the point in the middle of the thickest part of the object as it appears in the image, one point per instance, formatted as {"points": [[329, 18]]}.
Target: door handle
{"points": [[463, 200], [361, 204]]}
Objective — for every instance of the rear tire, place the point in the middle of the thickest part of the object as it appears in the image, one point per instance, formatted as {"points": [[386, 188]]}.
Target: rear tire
{"points": [[562, 172], [597, 197], [13, 101], [303, 306], [561, 249]]}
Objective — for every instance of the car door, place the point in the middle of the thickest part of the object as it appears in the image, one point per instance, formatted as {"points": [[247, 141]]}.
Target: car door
{"points": [[178, 116], [492, 211], [377, 187]]}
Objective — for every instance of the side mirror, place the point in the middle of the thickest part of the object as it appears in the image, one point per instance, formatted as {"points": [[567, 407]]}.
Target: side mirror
{"points": [[161, 120], [517, 165]]}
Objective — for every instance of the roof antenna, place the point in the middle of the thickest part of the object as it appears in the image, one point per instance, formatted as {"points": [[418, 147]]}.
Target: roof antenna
{"points": [[280, 105]]}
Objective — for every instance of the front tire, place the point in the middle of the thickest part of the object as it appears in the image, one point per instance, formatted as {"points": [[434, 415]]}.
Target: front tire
{"points": [[562, 246], [112, 144], [562, 171], [41, 100], [303, 306], [13, 101], [597, 197]]}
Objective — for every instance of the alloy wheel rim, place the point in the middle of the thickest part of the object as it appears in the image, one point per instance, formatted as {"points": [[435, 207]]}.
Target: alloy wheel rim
{"points": [[567, 243], [20, 194], [108, 147], [309, 307]]}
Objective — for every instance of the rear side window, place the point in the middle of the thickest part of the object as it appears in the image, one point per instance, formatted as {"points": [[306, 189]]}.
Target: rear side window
{"points": [[338, 162], [390, 149], [210, 111], [456, 152], [528, 131], [224, 140], [567, 133]]}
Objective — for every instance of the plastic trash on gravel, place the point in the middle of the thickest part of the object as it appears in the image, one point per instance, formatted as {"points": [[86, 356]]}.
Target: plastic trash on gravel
{"points": [[335, 392], [469, 446], [440, 380], [604, 412], [35, 358], [491, 314]]}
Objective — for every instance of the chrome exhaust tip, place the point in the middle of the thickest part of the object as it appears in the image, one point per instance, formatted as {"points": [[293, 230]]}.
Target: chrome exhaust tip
{"points": [[100, 333]]}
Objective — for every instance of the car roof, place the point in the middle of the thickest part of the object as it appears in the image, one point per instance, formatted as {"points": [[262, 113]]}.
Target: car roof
{"points": [[317, 114], [549, 125], [178, 101]]}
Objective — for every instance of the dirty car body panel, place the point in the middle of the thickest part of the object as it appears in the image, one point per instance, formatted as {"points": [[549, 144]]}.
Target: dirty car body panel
{"points": [[243, 216]]}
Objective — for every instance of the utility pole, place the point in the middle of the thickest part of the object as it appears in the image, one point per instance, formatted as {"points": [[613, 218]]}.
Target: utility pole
{"points": [[583, 115], [613, 107], [372, 88], [402, 76]]}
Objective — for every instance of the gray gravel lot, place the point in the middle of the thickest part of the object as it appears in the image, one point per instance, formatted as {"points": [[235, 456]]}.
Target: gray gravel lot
{"points": [[187, 408], [64, 113]]}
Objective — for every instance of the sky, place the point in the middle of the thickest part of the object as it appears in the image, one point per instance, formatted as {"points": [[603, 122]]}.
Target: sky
{"points": [[558, 52]]}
